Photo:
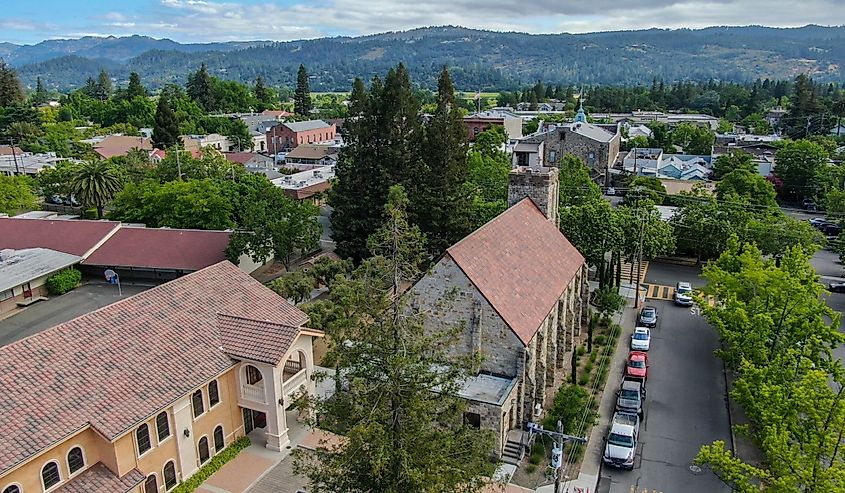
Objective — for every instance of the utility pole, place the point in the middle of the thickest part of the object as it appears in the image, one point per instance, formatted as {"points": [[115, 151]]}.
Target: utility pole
{"points": [[560, 439], [640, 260], [15, 156]]}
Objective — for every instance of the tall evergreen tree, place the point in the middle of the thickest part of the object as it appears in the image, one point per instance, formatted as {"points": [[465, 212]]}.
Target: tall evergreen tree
{"points": [[166, 128], [804, 117], [302, 104], [104, 87], [11, 90], [200, 88], [135, 89], [442, 203], [263, 95], [41, 95]]}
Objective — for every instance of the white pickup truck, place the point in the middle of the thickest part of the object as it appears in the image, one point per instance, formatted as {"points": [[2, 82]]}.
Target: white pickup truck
{"points": [[621, 443]]}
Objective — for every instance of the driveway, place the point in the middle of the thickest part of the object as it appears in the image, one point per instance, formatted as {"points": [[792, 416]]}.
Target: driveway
{"points": [[59, 309]]}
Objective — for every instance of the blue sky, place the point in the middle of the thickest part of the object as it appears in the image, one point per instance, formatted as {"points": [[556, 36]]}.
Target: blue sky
{"points": [[30, 21]]}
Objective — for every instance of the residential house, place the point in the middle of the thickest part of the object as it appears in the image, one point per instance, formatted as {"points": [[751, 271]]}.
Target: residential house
{"points": [[286, 136], [638, 131], [307, 185], [138, 395], [310, 156], [520, 289], [763, 149], [837, 131], [479, 122], [7, 150], [775, 115], [251, 161], [653, 162], [23, 274], [119, 145], [215, 141], [27, 163]]}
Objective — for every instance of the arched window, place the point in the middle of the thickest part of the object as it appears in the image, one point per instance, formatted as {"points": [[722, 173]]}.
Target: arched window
{"points": [[50, 475], [253, 375], [162, 426], [219, 441], [75, 460], [151, 484], [12, 489], [142, 437], [169, 475], [205, 454], [213, 394], [196, 400]]}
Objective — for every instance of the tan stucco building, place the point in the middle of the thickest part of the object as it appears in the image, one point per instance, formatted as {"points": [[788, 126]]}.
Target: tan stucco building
{"points": [[137, 396]]}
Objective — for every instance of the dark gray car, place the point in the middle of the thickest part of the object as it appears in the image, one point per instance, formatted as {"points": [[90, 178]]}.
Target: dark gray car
{"points": [[648, 317], [630, 397]]}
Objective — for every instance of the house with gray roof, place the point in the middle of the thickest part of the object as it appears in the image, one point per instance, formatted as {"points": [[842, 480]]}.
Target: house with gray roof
{"points": [[23, 274]]}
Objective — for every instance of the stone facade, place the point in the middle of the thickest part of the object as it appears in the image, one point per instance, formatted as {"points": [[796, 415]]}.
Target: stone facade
{"points": [[541, 184], [598, 153]]}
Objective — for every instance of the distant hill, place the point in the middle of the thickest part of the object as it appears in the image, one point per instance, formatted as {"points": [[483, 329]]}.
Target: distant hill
{"points": [[477, 59]]}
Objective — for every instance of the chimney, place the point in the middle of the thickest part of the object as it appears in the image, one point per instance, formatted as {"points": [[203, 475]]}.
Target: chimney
{"points": [[538, 183]]}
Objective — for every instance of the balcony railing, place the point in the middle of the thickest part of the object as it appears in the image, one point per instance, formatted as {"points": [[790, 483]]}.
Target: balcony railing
{"points": [[292, 384], [254, 393]]}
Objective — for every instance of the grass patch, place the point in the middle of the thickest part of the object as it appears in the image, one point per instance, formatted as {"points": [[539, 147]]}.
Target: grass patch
{"points": [[530, 468], [213, 466]]}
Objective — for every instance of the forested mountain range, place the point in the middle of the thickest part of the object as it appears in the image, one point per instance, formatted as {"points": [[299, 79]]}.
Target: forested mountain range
{"points": [[485, 60]]}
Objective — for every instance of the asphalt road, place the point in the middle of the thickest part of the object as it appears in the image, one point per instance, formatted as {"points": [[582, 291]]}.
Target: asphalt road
{"points": [[686, 403], [60, 309]]}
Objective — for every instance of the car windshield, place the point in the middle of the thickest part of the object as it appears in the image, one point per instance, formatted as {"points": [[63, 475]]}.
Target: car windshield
{"points": [[637, 363], [630, 394], [648, 312], [640, 336], [620, 440], [684, 289]]}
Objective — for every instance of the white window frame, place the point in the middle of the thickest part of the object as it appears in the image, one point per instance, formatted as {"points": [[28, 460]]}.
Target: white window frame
{"points": [[41, 476], [137, 445], [20, 488], [164, 476], [84, 461], [169, 428], [210, 455], [219, 400], [204, 406]]}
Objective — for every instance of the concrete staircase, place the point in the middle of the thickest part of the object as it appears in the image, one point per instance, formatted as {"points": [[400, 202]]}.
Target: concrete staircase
{"points": [[513, 451]]}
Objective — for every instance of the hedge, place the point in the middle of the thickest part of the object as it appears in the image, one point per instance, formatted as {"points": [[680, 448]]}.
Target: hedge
{"points": [[63, 281], [212, 467]]}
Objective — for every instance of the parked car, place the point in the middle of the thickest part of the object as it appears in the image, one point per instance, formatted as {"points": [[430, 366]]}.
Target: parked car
{"points": [[610, 191], [641, 339], [836, 287], [631, 395], [831, 229], [637, 365], [621, 444], [683, 294], [809, 204], [648, 317], [818, 222]]}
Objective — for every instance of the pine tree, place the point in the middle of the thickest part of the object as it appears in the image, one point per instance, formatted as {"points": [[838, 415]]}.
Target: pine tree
{"points": [[135, 89], [200, 88], [104, 87], [166, 128], [262, 94], [11, 90], [804, 118], [90, 87], [441, 205], [302, 104], [41, 95]]}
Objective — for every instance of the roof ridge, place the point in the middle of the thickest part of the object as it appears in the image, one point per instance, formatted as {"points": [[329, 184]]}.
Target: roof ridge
{"points": [[250, 319]]}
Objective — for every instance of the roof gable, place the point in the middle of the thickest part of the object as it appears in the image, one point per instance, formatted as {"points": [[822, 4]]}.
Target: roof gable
{"points": [[521, 263], [256, 340], [76, 237]]}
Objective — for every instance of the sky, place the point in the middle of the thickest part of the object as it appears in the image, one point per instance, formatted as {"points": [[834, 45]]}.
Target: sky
{"points": [[28, 22]]}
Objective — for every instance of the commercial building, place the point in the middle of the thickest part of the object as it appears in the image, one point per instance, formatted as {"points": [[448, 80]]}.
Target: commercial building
{"points": [[286, 136]]}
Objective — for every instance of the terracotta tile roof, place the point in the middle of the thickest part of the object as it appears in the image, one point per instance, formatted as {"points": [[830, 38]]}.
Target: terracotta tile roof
{"points": [[181, 249], [239, 157], [521, 263], [75, 237], [119, 145], [99, 479], [258, 340], [121, 364]]}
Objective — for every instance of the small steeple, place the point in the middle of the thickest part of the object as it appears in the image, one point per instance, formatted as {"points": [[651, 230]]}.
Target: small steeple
{"points": [[581, 116]]}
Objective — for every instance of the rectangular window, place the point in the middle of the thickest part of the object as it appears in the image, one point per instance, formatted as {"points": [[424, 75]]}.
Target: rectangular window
{"points": [[142, 436], [196, 401], [472, 419], [522, 159], [5, 295], [213, 394], [552, 156], [162, 426]]}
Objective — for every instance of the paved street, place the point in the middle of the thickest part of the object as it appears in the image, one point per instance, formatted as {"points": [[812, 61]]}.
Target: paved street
{"points": [[685, 407]]}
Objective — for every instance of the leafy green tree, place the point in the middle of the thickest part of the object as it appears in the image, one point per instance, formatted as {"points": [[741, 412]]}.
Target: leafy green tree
{"points": [[694, 139], [733, 160], [16, 194], [644, 232], [593, 228], [302, 103], [271, 224], [646, 188], [135, 89], [166, 128], [576, 186], [491, 141], [441, 203], [802, 165], [748, 185], [56, 180], [95, 184], [295, 286], [489, 168], [11, 90], [190, 204], [401, 417], [200, 88]]}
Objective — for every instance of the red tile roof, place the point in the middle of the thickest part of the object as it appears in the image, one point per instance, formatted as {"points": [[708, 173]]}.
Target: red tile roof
{"points": [[181, 249], [69, 236], [117, 366], [119, 145], [239, 157], [263, 341], [521, 263], [99, 479]]}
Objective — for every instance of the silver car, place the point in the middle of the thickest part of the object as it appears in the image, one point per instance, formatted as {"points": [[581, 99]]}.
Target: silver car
{"points": [[683, 294]]}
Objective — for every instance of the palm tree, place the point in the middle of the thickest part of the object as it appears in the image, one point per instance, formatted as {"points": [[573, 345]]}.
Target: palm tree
{"points": [[95, 184]]}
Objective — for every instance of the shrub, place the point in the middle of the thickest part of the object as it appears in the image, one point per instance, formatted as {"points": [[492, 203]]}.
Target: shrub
{"points": [[530, 468], [63, 281], [216, 463], [581, 350], [584, 379], [588, 367], [599, 340]]}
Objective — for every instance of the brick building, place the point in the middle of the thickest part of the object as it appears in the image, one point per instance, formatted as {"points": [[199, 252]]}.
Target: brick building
{"points": [[286, 136], [520, 288], [137, 396], [479, 122]]}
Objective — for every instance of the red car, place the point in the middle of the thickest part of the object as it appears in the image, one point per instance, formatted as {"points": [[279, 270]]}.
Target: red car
{"points": [[637, 365]]}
